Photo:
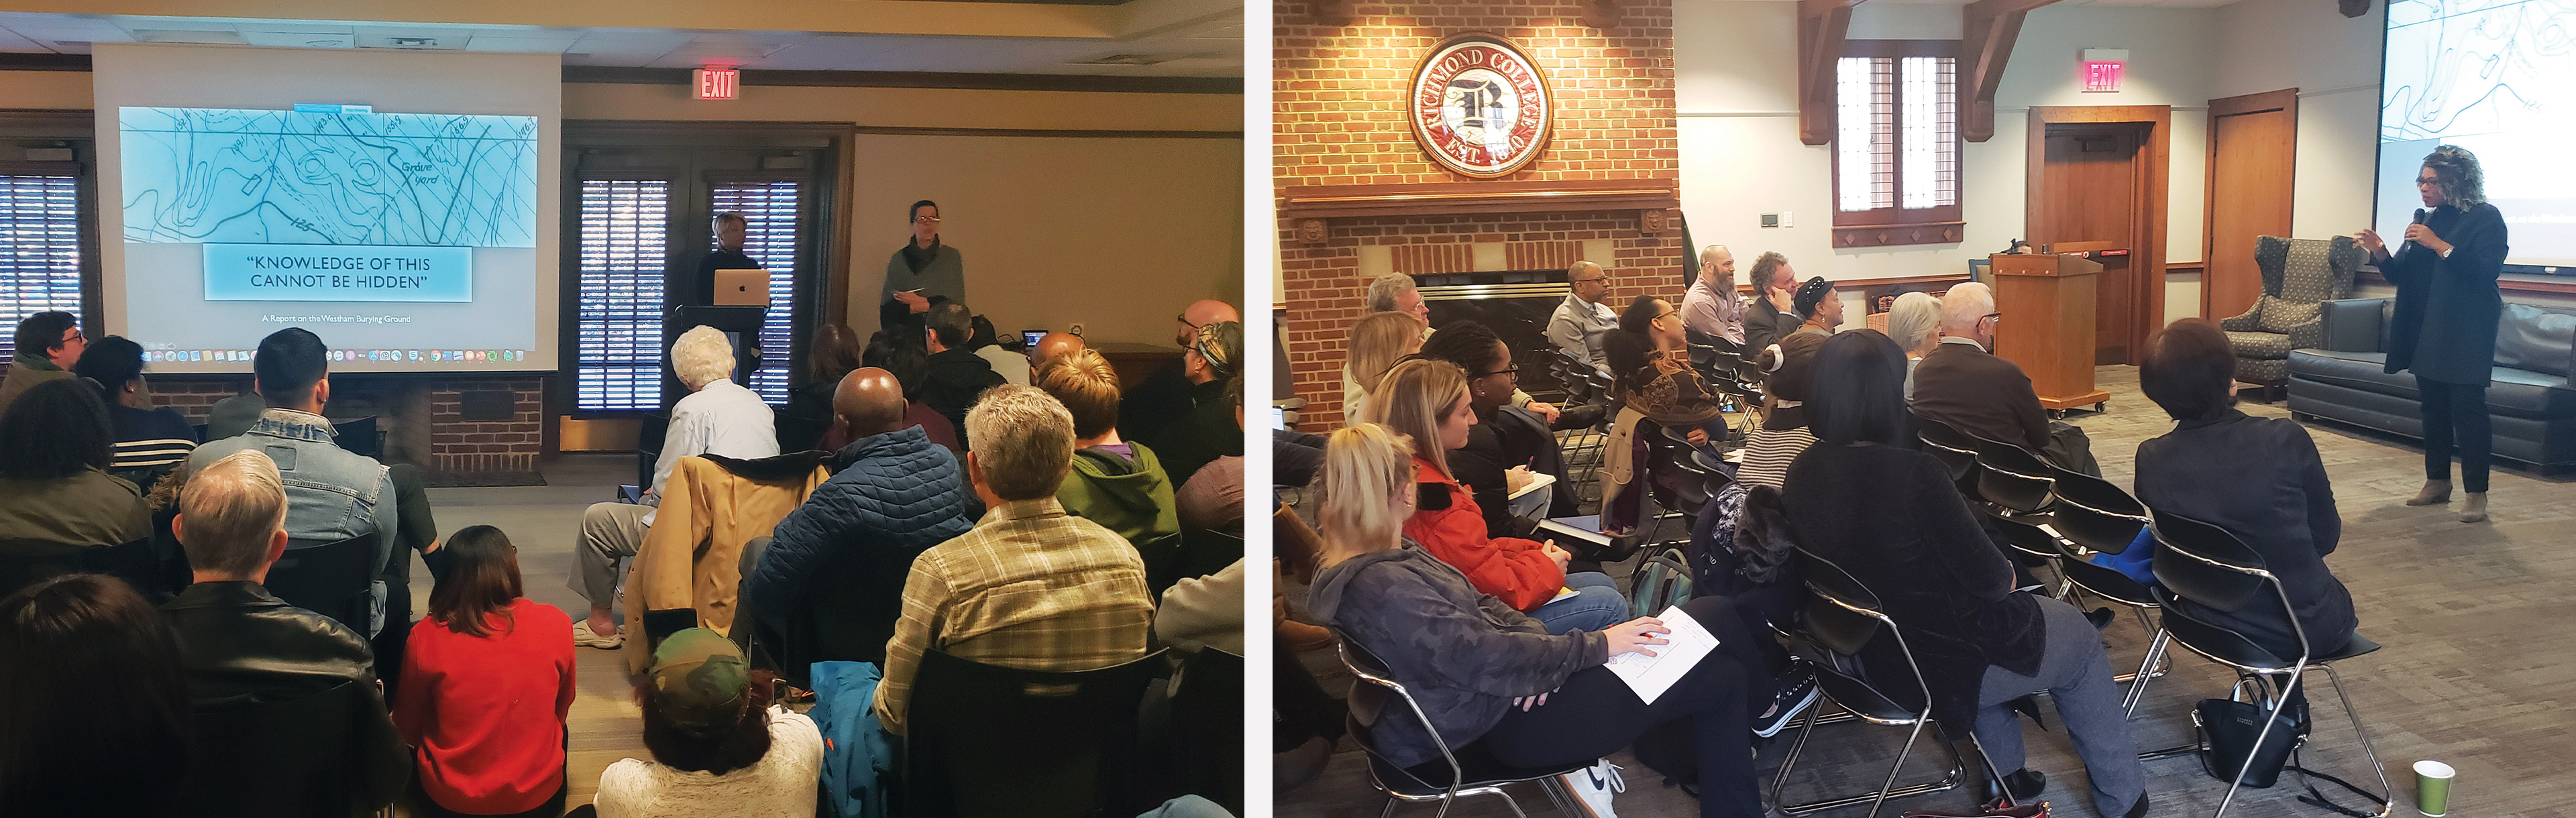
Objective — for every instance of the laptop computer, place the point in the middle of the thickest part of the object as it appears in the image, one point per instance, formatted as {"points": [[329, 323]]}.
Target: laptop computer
{"points": [[742, 288]]}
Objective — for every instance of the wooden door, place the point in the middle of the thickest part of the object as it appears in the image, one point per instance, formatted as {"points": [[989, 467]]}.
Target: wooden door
{"points": [[2088, 198], [2253, 142]]}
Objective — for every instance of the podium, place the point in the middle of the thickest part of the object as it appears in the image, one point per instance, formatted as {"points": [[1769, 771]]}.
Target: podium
{"points": [[2047, 303]]}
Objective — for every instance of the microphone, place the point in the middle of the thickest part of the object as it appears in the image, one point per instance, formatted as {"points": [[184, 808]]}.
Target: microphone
{"points": [[2419, 219]]}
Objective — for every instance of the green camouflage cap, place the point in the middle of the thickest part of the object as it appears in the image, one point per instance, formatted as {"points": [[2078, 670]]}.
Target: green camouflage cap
{"points": [[699, 680]]}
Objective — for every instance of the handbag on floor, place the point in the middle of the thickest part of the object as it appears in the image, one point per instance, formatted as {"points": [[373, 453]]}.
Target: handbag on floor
{"points": [[2227, 729]]}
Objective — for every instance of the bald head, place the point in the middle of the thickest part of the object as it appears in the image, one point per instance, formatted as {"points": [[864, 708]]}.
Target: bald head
{"points": [[1054, 345], [1202, 313], [869, 402]]}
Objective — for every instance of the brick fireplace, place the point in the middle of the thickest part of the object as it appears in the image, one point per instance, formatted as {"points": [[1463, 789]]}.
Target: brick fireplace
{"points": [[424, 420], [1357, 198]]}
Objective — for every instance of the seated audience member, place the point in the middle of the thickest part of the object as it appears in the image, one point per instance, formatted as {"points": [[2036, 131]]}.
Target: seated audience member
{"points": [[1204, 612], [1208, 430], [1579, 322], [1962, 383], [55, 493], [332, 494], [485, 689], [1390, 294], [1165, 398], [1030, 586], [1213, 499], [49, 343], [720, 748], [1712, 307], [1508, 444], [1772, 314], [1117, 483], [1052, 346], [1784, 431], [2258, 478], [1650, 364], [1865, 499], [1294, 457], [233, 416], [835, 351], [1914, 323], [954, 376], [93, 707], [894, 493], [1376, 342], [245, 652], [149, 441], [718, 417], [1487, 674], [1012, 364], [1427, 402], [909, 360]]}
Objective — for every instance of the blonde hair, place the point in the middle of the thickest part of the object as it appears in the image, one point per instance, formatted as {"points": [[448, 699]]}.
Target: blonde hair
{"points": [[1366, 467], [1087, 386], [1413, 400], [1023, 441], [1914, 320], [229, 511], [1377, 341], [702, 356]]}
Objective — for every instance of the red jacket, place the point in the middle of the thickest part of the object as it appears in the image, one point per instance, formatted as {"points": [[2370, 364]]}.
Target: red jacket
{"points": [[1517, 571], [487, 714]]}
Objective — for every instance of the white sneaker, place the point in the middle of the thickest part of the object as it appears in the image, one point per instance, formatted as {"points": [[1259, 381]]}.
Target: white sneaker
{"points": [[583, 636], [1592, 787]]}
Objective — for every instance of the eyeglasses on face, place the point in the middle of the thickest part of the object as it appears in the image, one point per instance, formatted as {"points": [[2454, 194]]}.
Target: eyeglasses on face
{"points": [[1996, 317], [1512, 370]]}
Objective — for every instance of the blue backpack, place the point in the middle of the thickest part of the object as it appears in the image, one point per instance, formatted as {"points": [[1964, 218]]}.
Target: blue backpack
{"points": [[855, 752]]}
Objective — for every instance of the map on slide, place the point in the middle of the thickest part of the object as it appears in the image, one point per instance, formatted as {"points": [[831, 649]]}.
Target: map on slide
{"points": [[202, 175], [2460, 67]]}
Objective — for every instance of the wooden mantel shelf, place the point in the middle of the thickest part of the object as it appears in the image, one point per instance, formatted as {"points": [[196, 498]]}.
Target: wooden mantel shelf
{"points": [[1463, 198]]}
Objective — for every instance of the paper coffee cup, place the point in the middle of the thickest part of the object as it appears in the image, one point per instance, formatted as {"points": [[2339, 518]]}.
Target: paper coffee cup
{"points": [[2433, 787]]}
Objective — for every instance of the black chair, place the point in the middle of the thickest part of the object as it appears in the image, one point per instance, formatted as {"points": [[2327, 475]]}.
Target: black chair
{"points": [[1207, 718], [2093, 516], [1840, 617], [1462, 771], [2013, 479], [986, 740], [851, 606], [2033, 546], [1954, 449], [325, 753], [331, 579], [358, 436], [23, 563], [798, 433], [2210, 567], [651, 428]]}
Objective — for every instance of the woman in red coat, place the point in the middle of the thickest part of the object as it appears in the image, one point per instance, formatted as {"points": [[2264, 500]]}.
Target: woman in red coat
{"points": [[1426, 400], [486, 681]]}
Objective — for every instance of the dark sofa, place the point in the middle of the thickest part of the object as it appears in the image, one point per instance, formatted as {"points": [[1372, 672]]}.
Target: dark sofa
{"points": [[2533, 404]]}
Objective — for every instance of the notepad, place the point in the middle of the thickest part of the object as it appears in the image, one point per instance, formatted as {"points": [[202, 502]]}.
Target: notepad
{"points": [[1561, 593], [1538, 480], [1650, 676]]}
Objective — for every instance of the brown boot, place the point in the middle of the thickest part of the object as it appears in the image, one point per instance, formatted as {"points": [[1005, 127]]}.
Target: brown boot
{"points": [[1302, 637]]}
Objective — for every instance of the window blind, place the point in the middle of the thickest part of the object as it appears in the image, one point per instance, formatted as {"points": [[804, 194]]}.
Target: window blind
{"points": [[625, 230], [39, 250], [772, 221], [1930, 100], [1865, 132]]}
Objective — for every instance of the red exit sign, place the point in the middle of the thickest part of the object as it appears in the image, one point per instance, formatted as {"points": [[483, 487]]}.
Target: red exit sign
{"points": [[718, 83], [2102, 69]]}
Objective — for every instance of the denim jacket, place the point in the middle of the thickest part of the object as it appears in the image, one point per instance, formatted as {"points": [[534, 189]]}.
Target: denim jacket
{"points": [[332, 494]]}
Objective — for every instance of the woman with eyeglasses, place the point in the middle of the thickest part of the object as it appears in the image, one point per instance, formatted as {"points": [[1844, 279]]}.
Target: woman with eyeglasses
{"points": [[1428, 402], [1508, 446], [1784, 433], [2444, 329], [1650, 364]]}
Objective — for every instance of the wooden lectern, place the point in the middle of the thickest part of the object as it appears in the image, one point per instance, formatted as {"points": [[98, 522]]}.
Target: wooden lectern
{"points": [[2047, 327]]}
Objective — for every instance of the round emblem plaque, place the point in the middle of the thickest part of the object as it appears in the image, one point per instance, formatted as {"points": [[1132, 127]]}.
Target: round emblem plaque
{"points": [[1480, 107]]}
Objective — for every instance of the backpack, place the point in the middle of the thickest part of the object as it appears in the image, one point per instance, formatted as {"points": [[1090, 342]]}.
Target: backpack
{"points": [[1662, 581], [855, 752]]}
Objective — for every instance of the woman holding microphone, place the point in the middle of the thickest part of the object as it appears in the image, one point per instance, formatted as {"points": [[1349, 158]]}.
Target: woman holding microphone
{"points": [[2444, 329]]}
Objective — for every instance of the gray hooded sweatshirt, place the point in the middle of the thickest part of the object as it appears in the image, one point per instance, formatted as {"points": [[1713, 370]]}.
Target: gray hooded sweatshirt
{"points": [[1463, 654]]}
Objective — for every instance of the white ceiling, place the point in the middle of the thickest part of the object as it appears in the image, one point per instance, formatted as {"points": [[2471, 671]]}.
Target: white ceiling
{"points": [[1203, 45]]}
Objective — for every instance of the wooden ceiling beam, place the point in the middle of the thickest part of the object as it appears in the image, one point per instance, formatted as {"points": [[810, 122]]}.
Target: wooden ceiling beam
{"points": [[1822, 26], [1987, 31]]}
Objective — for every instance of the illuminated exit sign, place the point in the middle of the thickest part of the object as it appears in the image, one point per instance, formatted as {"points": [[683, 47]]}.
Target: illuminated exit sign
{"points": [[718, 83], [2102, 69]]}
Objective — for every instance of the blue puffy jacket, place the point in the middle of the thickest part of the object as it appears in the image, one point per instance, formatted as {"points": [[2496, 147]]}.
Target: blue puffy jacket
{"points": [[891, 497]]}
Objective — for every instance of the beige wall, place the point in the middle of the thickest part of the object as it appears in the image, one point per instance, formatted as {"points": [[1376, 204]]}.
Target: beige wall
{"points": [[1115, 233]]}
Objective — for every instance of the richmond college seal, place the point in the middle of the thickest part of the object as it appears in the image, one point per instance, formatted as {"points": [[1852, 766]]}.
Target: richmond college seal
{"points": [[1480, 107]]}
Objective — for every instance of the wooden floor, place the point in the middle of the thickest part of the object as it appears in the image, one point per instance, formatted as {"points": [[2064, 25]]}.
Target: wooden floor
{"points": [[543, 522], [2478, 670]]}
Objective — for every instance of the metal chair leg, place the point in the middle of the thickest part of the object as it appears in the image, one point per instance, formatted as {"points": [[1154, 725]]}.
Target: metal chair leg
{"points": [[1899, 766], [1389, 811], [2387, 793], [2146, 671], [2238, 782], [1781, 779]]}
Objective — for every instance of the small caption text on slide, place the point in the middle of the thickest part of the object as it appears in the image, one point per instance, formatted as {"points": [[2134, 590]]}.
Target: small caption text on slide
{"points": [[335, 319]]}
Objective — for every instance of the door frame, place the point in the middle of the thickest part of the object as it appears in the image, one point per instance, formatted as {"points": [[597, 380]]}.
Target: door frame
{"points": [[2147, 261], [2286, 101]]}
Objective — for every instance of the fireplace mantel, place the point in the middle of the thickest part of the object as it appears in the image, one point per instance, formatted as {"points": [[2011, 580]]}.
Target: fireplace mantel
{"points": [[1312, 205]]}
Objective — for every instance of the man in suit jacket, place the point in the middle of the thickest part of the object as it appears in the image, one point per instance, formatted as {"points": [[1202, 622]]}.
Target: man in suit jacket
{"points": [[1962, 383], [1769, 318]]}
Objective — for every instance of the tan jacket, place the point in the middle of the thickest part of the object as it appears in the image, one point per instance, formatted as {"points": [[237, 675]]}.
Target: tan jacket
{"points": [[691, 557]]}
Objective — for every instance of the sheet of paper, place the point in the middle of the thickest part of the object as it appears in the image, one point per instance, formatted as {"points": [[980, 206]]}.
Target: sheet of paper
{"points": [[1561, 593], [1650, 676], [1538, 480]]}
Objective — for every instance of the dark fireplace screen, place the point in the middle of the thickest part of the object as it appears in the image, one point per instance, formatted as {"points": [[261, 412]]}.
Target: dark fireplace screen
{"points": [[1515, 304]]}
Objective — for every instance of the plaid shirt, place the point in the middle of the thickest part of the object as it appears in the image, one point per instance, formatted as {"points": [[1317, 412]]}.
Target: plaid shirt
{"points": [[1028, 587]]}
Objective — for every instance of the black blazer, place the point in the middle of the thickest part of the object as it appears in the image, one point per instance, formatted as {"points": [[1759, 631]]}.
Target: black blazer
{"points": [[1765, 325], [2444, 328], [2261, 480]]}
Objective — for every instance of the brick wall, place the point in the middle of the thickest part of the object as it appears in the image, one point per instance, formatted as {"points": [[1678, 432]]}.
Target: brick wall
{"points": [[1339, 119], [422, 420]]}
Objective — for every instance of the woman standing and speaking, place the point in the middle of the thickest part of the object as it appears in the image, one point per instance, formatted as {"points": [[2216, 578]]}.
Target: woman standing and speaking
{"points": [[2445, 324]]}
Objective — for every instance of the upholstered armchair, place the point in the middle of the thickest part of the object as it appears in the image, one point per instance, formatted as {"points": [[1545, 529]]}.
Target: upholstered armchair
{"points": [[2298, 274]]}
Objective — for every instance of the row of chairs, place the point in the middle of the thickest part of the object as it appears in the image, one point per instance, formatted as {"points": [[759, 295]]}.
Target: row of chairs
{"points": [[971, 722]]}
